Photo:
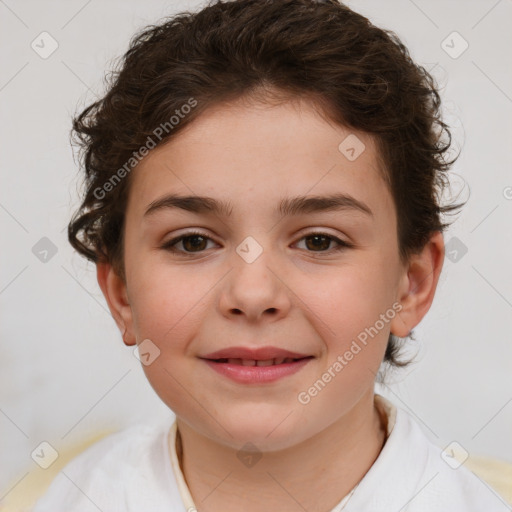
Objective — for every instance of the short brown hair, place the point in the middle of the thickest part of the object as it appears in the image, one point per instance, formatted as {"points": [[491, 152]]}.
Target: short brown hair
{"points": [[358, 75]]}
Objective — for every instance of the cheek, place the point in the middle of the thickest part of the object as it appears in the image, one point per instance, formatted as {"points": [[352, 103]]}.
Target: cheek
{"points": [[169, 303], [165, 308], [349, 297], [351, 310], [352, 314]]}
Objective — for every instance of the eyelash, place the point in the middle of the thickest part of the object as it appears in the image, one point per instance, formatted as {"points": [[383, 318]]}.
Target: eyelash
{"points": [[170, 245]]}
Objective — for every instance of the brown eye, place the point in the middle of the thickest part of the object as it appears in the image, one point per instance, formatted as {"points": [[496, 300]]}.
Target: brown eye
{"points": [[190, 243], [320, 243], [196, 243]]}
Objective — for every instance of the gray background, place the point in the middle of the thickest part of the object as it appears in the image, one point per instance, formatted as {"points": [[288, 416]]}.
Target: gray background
{"points": [[64, 371]]}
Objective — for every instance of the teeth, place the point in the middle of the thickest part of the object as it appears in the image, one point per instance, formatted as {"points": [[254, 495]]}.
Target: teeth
{"points": [[252, 362], [268, 362], [242, 362]]}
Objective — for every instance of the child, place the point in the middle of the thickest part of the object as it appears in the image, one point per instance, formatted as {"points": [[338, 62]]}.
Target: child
{"points": [[262, 187]]}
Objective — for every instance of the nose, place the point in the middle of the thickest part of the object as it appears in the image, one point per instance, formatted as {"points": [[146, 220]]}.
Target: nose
{"points": [[255, 292]]}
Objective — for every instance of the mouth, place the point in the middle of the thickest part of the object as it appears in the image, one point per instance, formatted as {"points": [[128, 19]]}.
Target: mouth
{"points": [[256, 365], [256, 370]]}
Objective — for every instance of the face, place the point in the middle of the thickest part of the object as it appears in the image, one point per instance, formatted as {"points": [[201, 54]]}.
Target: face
{"points": [[306, 280]]}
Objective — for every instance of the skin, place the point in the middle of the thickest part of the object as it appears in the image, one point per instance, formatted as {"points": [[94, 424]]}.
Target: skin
{"points": [[294, 296]]}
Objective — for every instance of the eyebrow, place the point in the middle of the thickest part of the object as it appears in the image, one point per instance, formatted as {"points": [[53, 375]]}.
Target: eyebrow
{"points": [[287, 206]]}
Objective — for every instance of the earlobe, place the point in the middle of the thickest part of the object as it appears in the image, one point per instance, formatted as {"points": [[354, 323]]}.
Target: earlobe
{"points": [[115, 292], [418, 285]]}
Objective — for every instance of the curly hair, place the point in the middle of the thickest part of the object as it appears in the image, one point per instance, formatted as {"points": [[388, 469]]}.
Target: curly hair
{"points": [[358, 75]]}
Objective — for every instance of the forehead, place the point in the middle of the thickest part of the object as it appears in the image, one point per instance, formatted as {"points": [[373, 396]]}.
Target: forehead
{"points": [[253, 155]]}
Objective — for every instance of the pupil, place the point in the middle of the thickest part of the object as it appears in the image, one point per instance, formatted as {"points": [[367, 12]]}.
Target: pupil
{"points": [[316, 239], [186, 241]]}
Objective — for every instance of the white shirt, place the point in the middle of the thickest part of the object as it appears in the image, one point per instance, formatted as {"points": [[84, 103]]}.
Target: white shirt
{"points": [[131, 471]]}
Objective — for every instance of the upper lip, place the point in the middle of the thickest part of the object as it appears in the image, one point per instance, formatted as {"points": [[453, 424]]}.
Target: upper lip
{"points": [[256, 354]]}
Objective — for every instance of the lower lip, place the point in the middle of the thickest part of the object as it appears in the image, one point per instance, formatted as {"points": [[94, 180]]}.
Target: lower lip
{"points": [[257, 374]]}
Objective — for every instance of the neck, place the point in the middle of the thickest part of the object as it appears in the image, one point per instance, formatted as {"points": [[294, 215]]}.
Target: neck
{"points": [[314, 475]]}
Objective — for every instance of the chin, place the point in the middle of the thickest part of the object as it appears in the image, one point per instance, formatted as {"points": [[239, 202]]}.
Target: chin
{"points": [[264, 429]]}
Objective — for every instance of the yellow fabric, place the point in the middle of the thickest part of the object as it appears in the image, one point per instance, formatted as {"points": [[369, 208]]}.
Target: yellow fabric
{"points": [[24, 494], [495, 472]]}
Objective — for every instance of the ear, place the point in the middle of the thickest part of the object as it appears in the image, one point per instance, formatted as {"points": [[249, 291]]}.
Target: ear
{"points": [[418, 285], [114, 290]]}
